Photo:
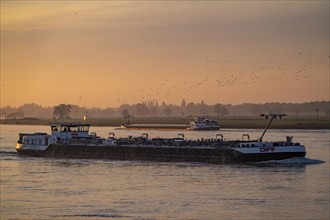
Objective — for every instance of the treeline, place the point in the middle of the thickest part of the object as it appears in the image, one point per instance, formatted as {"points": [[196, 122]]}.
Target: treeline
{"points": [[153, 109]]}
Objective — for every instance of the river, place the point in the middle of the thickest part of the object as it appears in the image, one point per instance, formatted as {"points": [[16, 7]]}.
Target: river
{"points": [[48, 188]]}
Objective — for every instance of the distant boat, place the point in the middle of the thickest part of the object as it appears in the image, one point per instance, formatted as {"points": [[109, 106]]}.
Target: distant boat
{"points": [[203, 124], [155, 126]]}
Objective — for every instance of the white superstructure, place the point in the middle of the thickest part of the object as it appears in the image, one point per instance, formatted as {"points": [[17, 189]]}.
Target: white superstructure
{"points": [[60, 133], [203, 124]]}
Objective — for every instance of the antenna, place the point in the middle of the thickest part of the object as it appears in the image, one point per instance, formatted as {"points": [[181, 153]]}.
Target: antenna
{"points": [[272, 116]]}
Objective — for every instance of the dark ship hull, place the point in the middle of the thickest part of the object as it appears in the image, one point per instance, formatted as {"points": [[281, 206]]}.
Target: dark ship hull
{"points": [[159, 153]]}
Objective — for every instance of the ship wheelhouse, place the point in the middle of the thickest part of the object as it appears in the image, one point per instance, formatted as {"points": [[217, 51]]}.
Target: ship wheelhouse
{"points": [[69, 130]]}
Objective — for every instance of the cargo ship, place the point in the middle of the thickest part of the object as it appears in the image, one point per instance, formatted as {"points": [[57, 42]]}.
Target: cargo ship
{"points": [[73, 140]]}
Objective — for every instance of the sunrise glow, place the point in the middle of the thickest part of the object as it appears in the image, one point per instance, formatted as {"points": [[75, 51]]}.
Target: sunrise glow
{"points": [[107, 53]]}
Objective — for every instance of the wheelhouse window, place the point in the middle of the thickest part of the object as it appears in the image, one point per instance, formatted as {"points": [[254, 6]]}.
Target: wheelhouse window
{"points": [[55, 128], [65, 128], [68, 127], [83, 128], [73, 128]]}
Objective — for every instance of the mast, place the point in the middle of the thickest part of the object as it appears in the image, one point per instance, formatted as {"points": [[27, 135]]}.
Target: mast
{"points": [[272, 116]]}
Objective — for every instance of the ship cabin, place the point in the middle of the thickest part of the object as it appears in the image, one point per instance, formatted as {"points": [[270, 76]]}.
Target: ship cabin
{"points": [[69, 130], [33, 139]]}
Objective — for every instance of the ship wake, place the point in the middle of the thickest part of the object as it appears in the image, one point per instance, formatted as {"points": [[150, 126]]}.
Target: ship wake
{"points": [[293, 161]]}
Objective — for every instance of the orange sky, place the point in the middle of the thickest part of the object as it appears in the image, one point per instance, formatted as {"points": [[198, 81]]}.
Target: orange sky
{"points": [[107, 53]]}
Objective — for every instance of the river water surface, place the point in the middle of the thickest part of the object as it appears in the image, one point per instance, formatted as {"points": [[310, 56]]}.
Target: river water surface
{"points": [[47, 188]]}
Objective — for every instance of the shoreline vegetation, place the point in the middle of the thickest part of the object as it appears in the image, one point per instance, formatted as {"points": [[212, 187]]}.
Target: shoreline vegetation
{"points": [[225, 123]]}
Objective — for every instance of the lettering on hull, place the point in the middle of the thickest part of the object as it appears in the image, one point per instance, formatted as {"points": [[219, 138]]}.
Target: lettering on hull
{"points": [[267, 149]]}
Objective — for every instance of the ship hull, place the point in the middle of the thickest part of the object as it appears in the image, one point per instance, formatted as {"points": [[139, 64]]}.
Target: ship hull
{"points": [[159, 153], [269, 156]]}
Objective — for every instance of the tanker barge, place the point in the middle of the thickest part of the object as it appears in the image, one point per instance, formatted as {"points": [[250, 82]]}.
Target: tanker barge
{"points": [[73, 140]]}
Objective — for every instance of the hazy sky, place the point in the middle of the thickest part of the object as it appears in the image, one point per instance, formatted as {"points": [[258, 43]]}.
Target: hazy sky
{"points": [[107, 53]]}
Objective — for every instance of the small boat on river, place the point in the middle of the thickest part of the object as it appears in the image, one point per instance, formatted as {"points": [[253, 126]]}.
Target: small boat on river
{"points": [[73, 140], [203, 124]]}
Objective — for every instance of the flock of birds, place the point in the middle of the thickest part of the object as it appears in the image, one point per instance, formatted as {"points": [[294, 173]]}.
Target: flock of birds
{"points": [[227, 77], [193, 83]]}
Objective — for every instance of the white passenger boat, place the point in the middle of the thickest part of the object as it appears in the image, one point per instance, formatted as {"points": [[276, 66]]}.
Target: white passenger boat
{"points": [[203, 124]]}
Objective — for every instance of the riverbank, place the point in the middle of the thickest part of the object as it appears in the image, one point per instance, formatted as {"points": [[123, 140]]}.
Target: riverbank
{"points": [[232, 122]]}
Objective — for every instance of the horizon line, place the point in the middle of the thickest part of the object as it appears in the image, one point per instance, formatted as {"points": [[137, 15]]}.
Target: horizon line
{"points": [[245, 103]]}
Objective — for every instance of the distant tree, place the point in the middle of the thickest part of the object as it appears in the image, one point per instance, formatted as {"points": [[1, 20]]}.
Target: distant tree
{"points": [[120, 109], [278, 109], [203, 109], [297, 111], [168, 111], [14, 115], [327, 113], [183, 103], [94, 112], [217, 109], [257, 109], [5, 111], [34, 110], [191, 108], [142, 109], [11, 115], [224, 111], [125, 113], [220, 110], [78, 112], [153, 110], [62, 111], [108, 112], [20, 113]]}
